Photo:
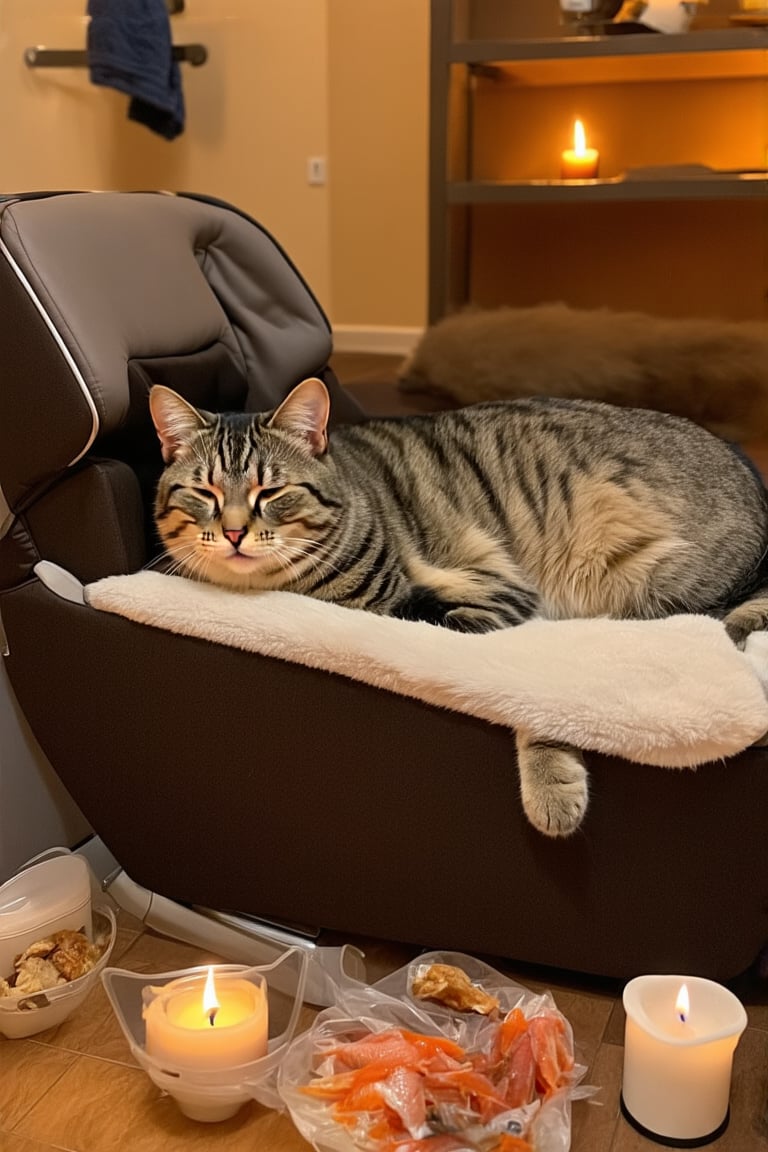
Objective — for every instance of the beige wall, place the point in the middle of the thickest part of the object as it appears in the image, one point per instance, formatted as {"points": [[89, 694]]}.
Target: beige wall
{"points": [[378, 83], [256, 111], [285, 80]]}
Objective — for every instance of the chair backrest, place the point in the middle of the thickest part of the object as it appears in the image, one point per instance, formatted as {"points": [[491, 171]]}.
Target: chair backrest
{"points": [[103, 295]]}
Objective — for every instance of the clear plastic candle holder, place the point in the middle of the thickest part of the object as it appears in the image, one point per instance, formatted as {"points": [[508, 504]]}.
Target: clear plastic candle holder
{"points": [[211, 1059]]}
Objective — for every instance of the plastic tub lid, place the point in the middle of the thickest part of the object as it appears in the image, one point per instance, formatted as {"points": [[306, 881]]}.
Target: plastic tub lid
{"points": [[42, 893]]}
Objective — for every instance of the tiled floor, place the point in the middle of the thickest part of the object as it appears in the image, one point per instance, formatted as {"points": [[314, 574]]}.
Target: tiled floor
{"points": [[77, 1088]]}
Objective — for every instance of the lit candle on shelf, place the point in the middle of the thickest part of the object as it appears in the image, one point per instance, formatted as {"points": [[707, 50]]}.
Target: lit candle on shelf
{"points": [[679, 1041], [579, 162], [195, 1023]]}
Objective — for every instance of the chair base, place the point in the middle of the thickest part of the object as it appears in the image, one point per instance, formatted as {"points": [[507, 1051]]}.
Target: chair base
{"points": [[239, 939]]}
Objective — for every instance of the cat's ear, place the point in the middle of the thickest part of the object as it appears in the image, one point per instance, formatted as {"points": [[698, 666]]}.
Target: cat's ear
{"points": [[175, 420], [304, 413]]}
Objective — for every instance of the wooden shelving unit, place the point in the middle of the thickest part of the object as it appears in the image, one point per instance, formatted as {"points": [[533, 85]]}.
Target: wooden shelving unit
{"points": [[706, 186], [472, 78], [713, 42]]}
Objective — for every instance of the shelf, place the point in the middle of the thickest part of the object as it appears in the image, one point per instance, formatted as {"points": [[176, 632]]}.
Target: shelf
{"points": [[553, 72], [635, 187], [594, 47], [505, 88]]}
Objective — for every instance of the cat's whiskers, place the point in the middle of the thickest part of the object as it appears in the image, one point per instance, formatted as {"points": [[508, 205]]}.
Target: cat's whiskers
{"points": [[175, 558], [314, 555], [198, 568], [178, 554], [180, 567], [161, 558], [188, 562], [284, 558]]}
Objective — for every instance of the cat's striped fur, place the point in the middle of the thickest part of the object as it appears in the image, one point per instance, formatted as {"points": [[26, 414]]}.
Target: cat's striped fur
{"points": [[474, 519]]}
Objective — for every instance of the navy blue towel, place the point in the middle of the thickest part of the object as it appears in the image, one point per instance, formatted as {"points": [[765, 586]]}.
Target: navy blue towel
{"points": [[130, 48]]}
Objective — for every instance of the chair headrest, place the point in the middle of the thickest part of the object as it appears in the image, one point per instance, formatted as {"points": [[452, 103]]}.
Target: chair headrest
{"points": [[92, 282]]}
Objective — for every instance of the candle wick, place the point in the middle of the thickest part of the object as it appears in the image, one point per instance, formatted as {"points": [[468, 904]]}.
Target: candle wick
{"points": [[212, 1016], [682, 1018]]}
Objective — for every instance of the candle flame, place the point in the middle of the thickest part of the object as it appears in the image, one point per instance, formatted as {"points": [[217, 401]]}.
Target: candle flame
{"points": [[579, 138], [683, 1004], [210, 1001]]}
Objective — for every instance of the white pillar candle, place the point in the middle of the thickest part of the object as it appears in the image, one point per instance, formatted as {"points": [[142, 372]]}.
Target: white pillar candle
{"points": [[186, 1031], [678, 1061]]}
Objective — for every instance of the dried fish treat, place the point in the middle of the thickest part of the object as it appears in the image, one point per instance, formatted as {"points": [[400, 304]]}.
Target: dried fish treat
{"points": [[451, 986]]}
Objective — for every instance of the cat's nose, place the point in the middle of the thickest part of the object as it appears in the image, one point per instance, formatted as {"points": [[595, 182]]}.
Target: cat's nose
{"points": [[235, 535]]}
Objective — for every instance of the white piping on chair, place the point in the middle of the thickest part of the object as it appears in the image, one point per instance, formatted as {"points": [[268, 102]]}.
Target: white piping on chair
{"points": [[6, 516], [65, 351]]}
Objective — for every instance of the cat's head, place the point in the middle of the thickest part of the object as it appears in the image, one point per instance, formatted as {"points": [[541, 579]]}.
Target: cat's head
{"points": [[246, 499]]}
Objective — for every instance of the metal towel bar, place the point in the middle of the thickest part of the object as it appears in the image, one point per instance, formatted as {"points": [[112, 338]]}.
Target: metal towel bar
{"points": [[195, 54]]}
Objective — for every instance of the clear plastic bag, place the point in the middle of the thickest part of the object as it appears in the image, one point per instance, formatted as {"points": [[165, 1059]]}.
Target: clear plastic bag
{"points": [[335, 1081]]}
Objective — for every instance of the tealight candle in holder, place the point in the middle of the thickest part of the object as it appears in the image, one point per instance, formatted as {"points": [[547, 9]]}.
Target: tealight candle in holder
{"points": [[212, 1038], [197, 1022], [681, 1033]]}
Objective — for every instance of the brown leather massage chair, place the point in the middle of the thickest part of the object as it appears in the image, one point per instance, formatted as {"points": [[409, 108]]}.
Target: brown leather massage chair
{"points": [[253, 794]]}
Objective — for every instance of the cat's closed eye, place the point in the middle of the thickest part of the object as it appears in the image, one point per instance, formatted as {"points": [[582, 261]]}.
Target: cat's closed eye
{"points": [[282, 505], [195, 501], [209, 495]]}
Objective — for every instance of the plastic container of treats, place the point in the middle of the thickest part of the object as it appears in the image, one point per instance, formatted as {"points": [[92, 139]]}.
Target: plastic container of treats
{"points": [[43, 899], [37, 1012]]}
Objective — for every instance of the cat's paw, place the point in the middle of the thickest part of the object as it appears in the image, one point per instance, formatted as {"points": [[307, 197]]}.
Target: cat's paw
{"points": [[467, 619], [749, 617], [553, 787], [738, 631]]}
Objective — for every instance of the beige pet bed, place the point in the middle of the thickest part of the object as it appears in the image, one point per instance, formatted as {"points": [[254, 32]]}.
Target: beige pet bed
{"points": [[712, 371]]}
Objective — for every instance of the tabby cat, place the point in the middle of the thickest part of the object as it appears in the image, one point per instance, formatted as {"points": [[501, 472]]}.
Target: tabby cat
{"points": [[474, 519]]}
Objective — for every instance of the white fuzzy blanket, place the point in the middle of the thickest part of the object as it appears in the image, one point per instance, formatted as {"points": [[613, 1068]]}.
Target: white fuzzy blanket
{"points": [[670, 692]]}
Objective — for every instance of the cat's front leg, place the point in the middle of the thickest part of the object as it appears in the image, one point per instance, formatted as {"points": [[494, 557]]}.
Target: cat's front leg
{"points": [[553, 785], [469, 618], [492, 606], [501, 605], [470, 596]]}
